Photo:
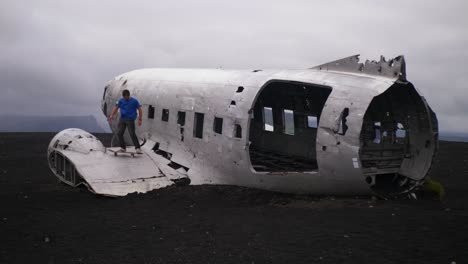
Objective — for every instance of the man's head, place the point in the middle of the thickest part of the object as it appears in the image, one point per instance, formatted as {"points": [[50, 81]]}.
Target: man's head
{"points": [[126, 94]]}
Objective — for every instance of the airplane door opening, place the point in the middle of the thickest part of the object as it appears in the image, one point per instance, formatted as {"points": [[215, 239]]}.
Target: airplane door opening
{"points": [[283, 131]]}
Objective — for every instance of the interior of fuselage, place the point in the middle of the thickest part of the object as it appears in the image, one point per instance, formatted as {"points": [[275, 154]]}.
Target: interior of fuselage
{"points": [[283, 127], [396, 138]]}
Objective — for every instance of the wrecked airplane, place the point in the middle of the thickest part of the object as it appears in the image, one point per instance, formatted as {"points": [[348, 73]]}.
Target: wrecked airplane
{"points": [[340, 128]]}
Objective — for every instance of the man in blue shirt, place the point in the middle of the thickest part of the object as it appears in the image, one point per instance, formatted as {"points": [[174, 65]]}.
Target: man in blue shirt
{"points": [[128, 113]]}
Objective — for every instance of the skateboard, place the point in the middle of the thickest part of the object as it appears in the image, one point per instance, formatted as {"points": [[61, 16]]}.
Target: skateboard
{"points": [[116, 152]]}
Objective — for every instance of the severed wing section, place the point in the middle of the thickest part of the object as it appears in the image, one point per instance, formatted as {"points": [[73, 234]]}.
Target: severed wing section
{"points": [[77, 157]]}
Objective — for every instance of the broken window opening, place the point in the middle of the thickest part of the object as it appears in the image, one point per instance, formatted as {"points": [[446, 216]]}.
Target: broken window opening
{"points": [[240, 89], [312, 122], [150, 112], [268, 119], [181, 118], [218, 125], [237, 131], [181, 123], [343, 127], [377, 135], [288, 122], [165, 115], [296, 109], [198, 125], [400, 133]]}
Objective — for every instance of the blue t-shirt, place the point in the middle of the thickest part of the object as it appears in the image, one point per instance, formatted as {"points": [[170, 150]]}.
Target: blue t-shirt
{"points": [[128, 109]]}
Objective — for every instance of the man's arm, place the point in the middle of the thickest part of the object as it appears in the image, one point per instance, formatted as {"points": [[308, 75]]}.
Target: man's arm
{"points": [[116, 108], [140, 116]]}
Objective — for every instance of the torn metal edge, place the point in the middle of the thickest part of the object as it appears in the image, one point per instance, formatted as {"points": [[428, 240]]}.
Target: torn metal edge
{"points": [[394, 68]]}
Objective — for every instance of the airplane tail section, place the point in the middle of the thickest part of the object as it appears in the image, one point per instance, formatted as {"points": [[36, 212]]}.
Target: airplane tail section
{"points": [[76, 157]]}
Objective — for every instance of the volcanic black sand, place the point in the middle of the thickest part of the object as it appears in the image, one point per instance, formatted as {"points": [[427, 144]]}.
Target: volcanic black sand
{"points": [[43, 221]]}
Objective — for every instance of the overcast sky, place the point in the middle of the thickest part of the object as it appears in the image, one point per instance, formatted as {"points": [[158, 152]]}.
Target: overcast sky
{"points": [[56, 56]]}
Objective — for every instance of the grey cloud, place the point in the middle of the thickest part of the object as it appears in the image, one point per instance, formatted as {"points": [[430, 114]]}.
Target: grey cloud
{"points": [[56, 56]]}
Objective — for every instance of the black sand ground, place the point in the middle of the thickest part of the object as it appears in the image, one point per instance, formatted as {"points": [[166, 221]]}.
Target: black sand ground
{"points": [[42, 221]]}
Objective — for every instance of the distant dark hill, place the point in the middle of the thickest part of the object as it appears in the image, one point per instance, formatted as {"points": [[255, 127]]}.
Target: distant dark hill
{"points": [[453, 136], [11, 123]]}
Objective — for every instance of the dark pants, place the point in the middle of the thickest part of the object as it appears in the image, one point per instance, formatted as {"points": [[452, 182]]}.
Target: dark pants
{"points": [[130, 123]]}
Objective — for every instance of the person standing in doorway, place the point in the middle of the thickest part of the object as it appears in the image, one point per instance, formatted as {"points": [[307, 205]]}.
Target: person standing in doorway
{"points": [[128, 114]]}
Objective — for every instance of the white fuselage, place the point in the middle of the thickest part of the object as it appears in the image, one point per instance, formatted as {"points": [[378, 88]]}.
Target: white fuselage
{"points": [[333, 129]]}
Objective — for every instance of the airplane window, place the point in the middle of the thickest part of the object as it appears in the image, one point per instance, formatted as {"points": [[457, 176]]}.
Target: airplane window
{"points": [[312, 122], [198, 125], [377, 132], [181, 118], [288, 117], [400, 132], [218, 125], [268, 119], [238, 131], [165, 115], [150, 112]]}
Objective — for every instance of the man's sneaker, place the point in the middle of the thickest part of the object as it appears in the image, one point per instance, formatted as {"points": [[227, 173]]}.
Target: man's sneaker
{"points": [[138, 151], [121, 150]]}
